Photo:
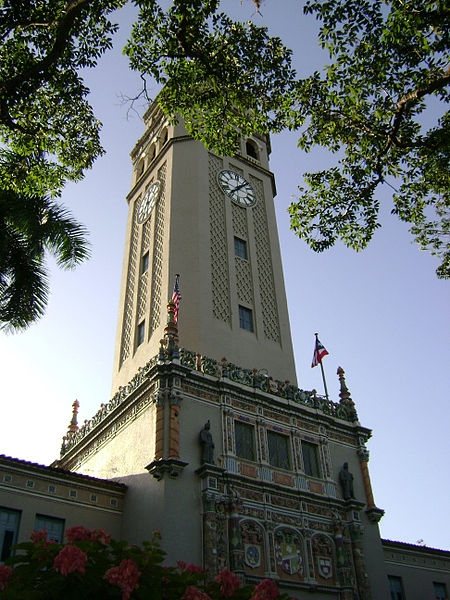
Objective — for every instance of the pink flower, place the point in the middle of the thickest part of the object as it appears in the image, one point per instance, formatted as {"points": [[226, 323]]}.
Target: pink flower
{"points": [[181, 565], [78, 534], [99, 535], [193, 593], [38, 537], [70, 560], [191, 568], [125, 576], [266, 590], [5, 574], [229, 583]]}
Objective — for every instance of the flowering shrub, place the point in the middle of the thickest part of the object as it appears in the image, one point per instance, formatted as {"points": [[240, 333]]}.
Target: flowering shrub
{"points": [[92, 566], [70, 560], [5, 574]]}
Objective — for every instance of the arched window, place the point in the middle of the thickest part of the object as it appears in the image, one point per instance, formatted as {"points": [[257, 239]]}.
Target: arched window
{"points": [[140, 168], [251, 149], [164, 136]]}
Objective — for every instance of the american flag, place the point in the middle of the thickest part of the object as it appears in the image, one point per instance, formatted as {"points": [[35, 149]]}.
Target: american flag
{"points": [[176, 297], [319, 352]]}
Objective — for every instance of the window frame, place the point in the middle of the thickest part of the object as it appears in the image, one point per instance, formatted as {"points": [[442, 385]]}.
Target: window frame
{"points": [[145, 262], [9, 530], [275, 458], [440, 590], [312, 468], [140, 333], [240, 248], [246, 319], [245, 446], [399, 593], [48, 523]]}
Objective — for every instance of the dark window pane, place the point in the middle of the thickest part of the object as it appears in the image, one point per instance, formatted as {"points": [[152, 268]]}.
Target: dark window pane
{"points": [[251, 150], [396, 587], [240, 248], [9, 529], [245, 440], [140, 333], [245, 318], [278, 450], [52, 525], [440, 591], [144, 265], [310, 454]]}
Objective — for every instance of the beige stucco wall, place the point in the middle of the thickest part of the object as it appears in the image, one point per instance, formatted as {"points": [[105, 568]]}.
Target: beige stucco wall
{"points": [[34, 490], [418, 568]]}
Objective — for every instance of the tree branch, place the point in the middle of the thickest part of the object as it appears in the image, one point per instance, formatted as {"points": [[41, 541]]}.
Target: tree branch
{"points": [[40, 68]]}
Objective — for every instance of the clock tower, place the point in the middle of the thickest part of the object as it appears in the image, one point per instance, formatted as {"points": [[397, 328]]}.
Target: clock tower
{"points": [[217, 446], [210, 219]]}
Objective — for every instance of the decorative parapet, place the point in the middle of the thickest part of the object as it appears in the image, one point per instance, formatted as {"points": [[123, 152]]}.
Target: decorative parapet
{"points": [[253, 378], [262, 381]]}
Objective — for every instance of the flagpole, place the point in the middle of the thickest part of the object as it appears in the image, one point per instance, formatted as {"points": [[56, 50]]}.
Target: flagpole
{"points": [[323, 372]]}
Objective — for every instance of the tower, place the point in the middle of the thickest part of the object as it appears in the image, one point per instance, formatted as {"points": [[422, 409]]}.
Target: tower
{"points": [[211, 220]]}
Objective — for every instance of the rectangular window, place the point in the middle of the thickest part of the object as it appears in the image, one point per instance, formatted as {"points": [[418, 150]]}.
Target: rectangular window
{"points": [[440, 591], [9, 529], [245, 440], [240, 248], [140, 333], [310, 453], [52, 525], [396, 587], [144, 263], [278, 450], [245, 318]]}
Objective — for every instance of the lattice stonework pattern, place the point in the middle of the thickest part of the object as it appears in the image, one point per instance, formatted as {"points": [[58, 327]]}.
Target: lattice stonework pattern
{"points": [[143, 279], [127, 326], [240, 222], [271, 321], [244, 280], [219, 249], [157, 262]]}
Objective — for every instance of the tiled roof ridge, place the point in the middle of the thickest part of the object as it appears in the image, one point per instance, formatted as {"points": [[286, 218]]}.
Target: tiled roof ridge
{"points": [[59, 471], [414, 546]]}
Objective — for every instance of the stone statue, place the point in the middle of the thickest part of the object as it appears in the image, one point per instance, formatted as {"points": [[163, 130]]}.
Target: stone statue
{"points": [[346, 481], [207, 444]]}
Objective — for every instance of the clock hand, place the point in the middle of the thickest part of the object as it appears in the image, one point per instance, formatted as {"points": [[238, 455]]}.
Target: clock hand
{"points": [[239, 187]]}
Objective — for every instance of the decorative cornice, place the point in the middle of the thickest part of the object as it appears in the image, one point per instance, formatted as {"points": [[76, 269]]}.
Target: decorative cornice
{"points": [[170, 357], [173, 467]]}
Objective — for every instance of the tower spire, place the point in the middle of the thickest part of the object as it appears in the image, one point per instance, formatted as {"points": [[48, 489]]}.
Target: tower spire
{"points": [[168, 349]]}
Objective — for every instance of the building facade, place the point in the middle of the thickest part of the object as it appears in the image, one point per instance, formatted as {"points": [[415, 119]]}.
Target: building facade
{"points": [[207, 430]]}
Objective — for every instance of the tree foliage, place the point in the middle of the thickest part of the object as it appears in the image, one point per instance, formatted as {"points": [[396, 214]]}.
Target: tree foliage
{"points": [[374, 106], [227, 79], [48, 135]]}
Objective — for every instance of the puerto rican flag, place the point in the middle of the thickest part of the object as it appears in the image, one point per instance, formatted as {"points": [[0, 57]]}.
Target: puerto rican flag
{"points": [[319, 352]]}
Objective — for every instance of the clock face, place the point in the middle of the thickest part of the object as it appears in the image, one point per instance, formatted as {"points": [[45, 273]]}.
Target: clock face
{"points": [[237, 188], [148, 201]]}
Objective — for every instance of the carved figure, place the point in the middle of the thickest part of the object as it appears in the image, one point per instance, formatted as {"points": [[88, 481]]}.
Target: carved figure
{"points": [[346, 481], [207, 444]]}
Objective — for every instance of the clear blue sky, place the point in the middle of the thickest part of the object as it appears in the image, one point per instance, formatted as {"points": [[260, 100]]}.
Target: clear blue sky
{"points": [[382, 314]]}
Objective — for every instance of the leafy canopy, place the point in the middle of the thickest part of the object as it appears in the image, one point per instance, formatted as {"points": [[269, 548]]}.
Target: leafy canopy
{"points": [[48, 135], [374, 106]]}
